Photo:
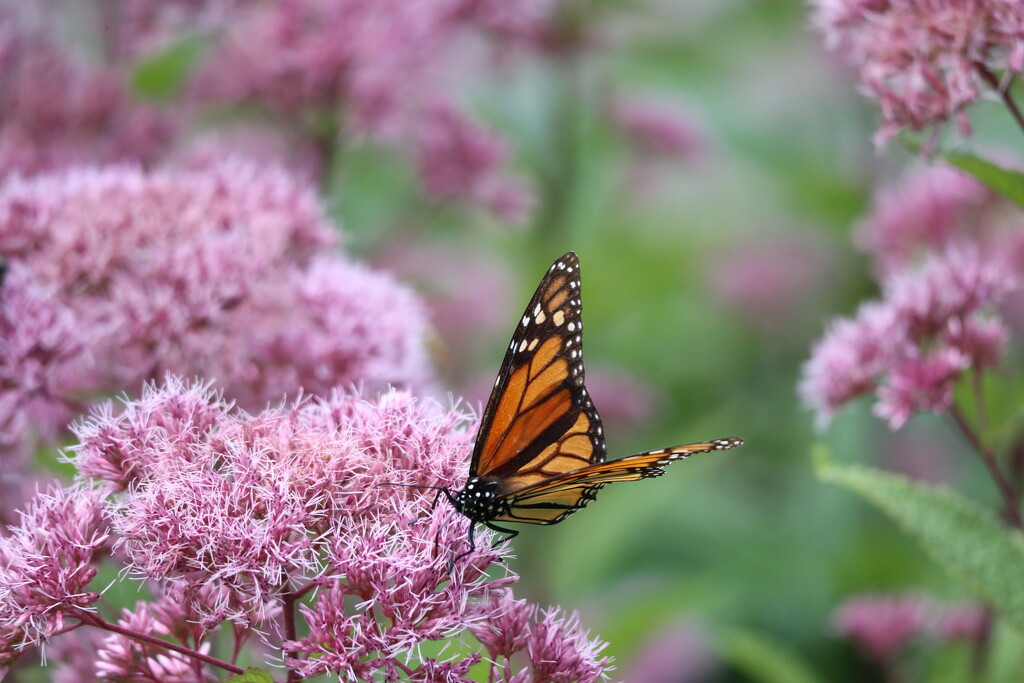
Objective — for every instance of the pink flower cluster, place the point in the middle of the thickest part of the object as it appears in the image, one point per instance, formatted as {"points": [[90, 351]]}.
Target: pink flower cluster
{"points": [[378, 68], [117, 276], [882, 626], [56, 109], [46, 564], [267, 520], [325, 71], [932, 324], [925, 60]]}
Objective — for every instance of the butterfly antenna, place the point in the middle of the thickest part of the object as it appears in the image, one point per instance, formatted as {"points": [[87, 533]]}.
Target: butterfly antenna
{"points": [[410, 486]]}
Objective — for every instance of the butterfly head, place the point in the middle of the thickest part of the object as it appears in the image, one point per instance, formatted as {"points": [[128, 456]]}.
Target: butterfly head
{"points": [[479, 500]]}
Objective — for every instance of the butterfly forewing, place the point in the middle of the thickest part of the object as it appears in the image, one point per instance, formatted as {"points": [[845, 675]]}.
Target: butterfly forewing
{"points": [[540, 421]]}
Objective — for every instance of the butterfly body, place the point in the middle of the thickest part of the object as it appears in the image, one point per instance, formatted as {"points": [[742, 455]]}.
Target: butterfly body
{"points": [[480, 500], [540, 452]]}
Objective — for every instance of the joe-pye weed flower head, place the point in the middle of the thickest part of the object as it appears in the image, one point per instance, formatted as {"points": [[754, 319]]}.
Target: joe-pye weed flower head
{"points": [[926, 60], [932, 324], [117, 276], [262, 520]]}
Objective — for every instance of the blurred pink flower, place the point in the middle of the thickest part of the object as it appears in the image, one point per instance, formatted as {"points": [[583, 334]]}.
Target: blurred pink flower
{"points": [[677, 653], [468, 296], [883, 625], [963, 622], [262, 144], [221, 272], [933, 207], [377, 68], [41, 362], [847, 361], [260, 519], [56, 109], [626, 401], [925, 60], [458, 159], [74, 656], [932, 324], [775, 283], [917, 453], [656, 128]]}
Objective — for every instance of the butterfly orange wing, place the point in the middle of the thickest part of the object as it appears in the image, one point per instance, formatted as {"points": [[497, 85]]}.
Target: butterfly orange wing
{"points": [[540, 421], [552, 500]]}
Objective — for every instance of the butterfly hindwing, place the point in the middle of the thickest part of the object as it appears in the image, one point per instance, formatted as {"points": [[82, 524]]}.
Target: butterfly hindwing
{"points": [[554, 499], [540, 421]]}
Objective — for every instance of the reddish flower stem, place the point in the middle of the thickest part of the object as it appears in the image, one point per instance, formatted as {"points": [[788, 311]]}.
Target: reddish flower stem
{"points": [[1012, 509], [290, 632], [99, 622], [1003, 90]]}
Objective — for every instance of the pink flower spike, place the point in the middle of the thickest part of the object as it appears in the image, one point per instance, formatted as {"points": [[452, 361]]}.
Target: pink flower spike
{"points": [[934, 323]]}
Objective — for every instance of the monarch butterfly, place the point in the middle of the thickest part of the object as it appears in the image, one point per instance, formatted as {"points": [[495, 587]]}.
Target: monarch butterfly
{"points": [[540, 451]]}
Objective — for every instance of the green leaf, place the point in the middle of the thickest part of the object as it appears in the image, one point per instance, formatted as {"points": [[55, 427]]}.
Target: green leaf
{"points": [[961, 536], [162, 76], [1006, 182], [252, 675], [762, 659]]}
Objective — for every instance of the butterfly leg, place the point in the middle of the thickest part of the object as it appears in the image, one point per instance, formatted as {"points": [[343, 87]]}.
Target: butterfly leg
{"points": [[472, 547], [437, 538], [512, 533]]}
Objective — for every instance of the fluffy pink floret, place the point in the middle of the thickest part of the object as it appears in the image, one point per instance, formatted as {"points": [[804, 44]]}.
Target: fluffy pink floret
{"points": [[46, 564]]}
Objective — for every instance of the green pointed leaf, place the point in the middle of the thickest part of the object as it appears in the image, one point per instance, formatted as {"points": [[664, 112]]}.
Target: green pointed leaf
{"points": [[252, 675], [1006, 182], [963, 537], [762, 659], [162, 76]]}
